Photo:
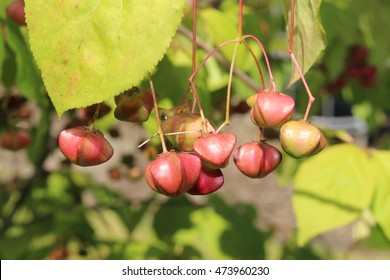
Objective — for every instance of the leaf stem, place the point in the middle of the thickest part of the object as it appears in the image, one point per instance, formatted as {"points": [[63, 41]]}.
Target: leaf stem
{"points": [[159, 129], [294, 60], [240, 13]]}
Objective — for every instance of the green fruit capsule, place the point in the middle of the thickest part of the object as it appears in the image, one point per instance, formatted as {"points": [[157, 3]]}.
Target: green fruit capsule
{"points": [[301, 139]]}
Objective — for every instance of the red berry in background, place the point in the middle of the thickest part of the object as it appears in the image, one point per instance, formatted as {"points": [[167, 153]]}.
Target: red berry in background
{"points": [[15, 139], [257, 159], [357, 55], [272, 109], [15, 11], [172, 173], [214, 150], [87, 113], [188, 127], [134, 105], [301, 139], [367, 76], [84, 146], [208, 182]]}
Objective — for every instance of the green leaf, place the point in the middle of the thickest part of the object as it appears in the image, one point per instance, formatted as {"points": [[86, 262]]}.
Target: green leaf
{"points": [[89, 51], [309, 35], [2, 53], [381, 205], [331, 189], [28, 77]]}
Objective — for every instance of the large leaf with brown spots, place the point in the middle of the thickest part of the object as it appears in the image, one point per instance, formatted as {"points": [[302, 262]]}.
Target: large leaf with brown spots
{"points": [[91, 50]]}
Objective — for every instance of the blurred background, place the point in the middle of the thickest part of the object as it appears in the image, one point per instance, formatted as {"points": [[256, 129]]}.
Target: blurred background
{"points": [[332, 206]]}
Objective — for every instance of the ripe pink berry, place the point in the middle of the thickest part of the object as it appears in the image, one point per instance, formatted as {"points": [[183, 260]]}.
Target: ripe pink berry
{"points": [[15, 11], [209, 181], [257, 159], [84, 146], [271, 109], [172, 173], [15, 139], [214, 150]]}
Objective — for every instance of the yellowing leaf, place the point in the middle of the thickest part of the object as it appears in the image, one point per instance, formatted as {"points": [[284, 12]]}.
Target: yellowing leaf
{"points": [[309, 35], [91, 50], [331, 189], [381, 203]]}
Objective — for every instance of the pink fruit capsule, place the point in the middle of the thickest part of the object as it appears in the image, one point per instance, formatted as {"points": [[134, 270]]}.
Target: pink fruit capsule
{"points": [[172, 173], [209, 181], [272, 109], [15, 139], [214, 150], [84, 146], [15, 11], [257, 159]]}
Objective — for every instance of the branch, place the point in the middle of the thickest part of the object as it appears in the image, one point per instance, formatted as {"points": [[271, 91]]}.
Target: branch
{"points": [[224, 62]]}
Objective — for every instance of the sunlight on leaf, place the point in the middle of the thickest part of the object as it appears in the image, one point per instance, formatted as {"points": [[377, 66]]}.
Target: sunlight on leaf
{"points": [[89, 51], [331, 189], [381, 205]]}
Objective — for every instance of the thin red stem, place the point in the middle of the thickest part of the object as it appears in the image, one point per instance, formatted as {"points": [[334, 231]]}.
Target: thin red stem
{"points": [[293, 58], [271, 77], [240, 15], [257, 63], [311, 97], [292, 24]]}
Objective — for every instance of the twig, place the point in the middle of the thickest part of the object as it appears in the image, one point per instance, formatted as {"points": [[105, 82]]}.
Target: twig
{"points": [[223, 61]]}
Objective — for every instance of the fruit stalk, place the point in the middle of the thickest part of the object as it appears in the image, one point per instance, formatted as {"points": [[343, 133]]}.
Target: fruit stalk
{"points": [[159, 129], [271, 77], [293, 58]]}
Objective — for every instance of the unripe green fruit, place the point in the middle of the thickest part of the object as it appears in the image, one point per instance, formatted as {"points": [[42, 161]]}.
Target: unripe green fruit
{"points": [[134, 105], [301, 139], [188, 127], [271, 109]]}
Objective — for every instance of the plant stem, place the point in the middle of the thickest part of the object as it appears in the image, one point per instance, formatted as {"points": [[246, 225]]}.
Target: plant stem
{"points": [[224, 62], [257, 63], [293, 58], [229, 89], [193, 35], [159, 129], [311, 97], [271, 77], [240, 13]]}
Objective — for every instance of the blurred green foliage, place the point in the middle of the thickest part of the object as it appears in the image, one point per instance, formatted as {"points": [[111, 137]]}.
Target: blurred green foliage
{"points": [[46, 215]]}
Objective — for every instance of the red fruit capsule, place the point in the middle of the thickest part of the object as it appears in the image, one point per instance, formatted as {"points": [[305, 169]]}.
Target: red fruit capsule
{"points": [[84, 146], [209, 181], [172, 174], [15, 139], [214, 150], [257, 159], [15, 11], [271, 109]]}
